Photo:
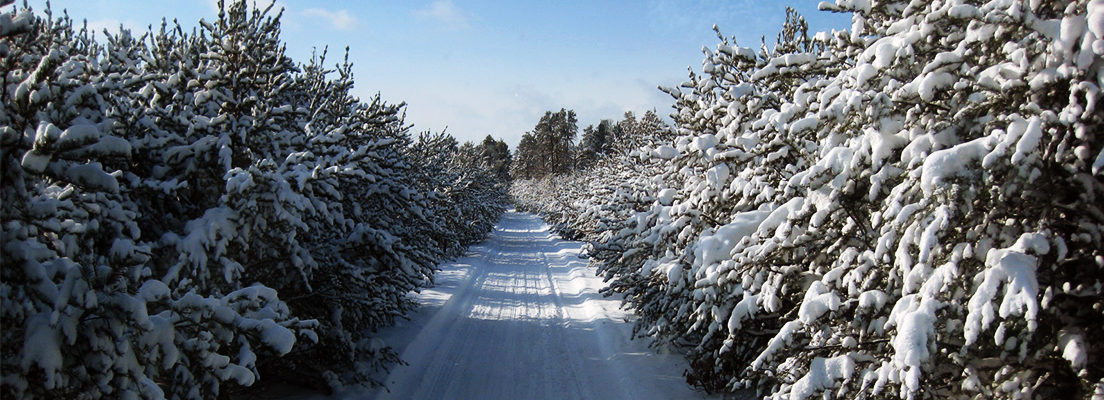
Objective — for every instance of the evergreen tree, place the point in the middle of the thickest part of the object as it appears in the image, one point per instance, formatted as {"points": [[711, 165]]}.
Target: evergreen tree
{"points": [[555, 134], [907, 209], [526, 163], [495, 157], [630, 134], [85, 313], [595, 143], [549, 148], [857, 214], [159, 191]]}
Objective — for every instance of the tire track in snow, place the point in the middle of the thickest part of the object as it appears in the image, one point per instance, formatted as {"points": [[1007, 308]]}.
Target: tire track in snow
{"points": [[526, 323]]}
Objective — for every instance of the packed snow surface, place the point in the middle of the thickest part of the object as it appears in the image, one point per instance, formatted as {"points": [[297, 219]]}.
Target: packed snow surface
{"points": [[521, 318]]}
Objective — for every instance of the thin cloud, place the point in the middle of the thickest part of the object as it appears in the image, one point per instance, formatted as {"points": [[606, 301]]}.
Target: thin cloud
{"points": [[340, 20], [448, 15], [689, 18]]}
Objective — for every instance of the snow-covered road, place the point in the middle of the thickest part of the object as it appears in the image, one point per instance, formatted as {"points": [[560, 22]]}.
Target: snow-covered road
{"points": [[520, 318]]}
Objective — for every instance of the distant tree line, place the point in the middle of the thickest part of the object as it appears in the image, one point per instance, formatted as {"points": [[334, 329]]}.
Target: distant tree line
{"points": [[577, 198], [550, 148]]}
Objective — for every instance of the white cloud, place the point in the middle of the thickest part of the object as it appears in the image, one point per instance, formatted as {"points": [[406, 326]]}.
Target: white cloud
{"points": [[340, 20], [448, 15]]}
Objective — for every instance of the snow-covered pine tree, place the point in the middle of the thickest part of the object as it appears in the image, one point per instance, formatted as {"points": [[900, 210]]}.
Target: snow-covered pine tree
{"points": [[319, 186], [467, 182], [595, 143], [494, 157], [615, 180], [526, 158], [549, 148], [630, 133], [234, 138], [159, 191], [84, 313], [908, 209], [215, 141], [705, 178], [477, 192]]}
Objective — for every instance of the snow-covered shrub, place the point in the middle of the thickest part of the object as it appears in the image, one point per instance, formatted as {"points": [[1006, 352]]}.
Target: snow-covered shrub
{"points": [[586, 203], [908, 209], [465, 198], [553, 198], [616, 172]]}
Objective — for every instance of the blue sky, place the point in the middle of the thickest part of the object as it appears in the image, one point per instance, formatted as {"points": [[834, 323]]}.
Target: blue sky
{"points": [[494, 67]]}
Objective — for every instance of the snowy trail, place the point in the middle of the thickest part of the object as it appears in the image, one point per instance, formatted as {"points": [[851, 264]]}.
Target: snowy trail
{"points": [[521, 318]]}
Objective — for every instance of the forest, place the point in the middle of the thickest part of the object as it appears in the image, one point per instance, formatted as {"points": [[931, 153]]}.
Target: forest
{"points": [[905, 209], [184, 215]]}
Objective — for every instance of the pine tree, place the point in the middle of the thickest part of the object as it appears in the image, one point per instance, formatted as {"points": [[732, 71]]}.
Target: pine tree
{"points": [[862, 214], [85, 313], [595, 143], [548, 149], [495, 157], [527, 164], [159, 191]]}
